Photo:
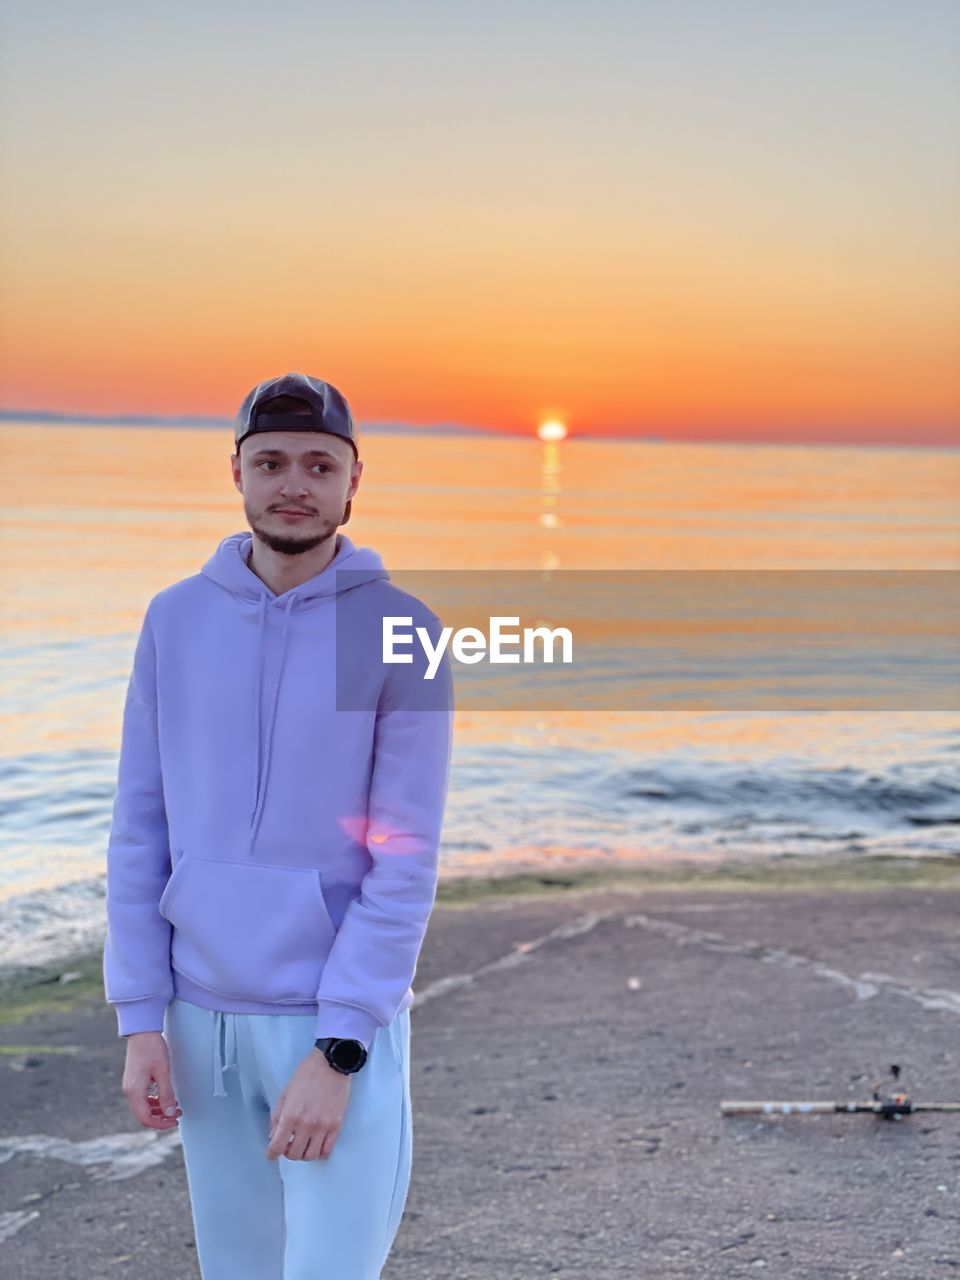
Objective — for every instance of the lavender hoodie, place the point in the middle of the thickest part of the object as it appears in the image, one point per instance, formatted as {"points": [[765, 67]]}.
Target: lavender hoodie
{"points": [[270, 853]]}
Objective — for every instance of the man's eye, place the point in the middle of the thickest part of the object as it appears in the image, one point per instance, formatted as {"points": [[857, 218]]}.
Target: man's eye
{"points": [[269, 462]]}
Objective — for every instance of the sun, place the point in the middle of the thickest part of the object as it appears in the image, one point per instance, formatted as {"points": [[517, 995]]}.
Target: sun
{"points": [[552, 430]]}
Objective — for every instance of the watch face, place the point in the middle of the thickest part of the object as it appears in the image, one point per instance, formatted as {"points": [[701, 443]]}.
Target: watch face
{"points": [[348, 1054]]}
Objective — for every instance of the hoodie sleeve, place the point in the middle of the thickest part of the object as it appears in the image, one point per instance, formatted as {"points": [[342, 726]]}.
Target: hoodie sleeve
{"points": [[137, 977], [373, 959]]}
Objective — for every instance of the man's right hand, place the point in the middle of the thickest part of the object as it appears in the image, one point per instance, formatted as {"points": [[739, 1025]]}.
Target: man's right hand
{"points": [[148, 1063]]}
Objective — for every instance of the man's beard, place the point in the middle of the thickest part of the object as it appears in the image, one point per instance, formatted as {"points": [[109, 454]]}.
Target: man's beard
{"points": [[287, 545]]}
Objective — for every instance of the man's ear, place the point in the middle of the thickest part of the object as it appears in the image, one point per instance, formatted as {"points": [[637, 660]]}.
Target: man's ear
{"points": [[346, 510]]}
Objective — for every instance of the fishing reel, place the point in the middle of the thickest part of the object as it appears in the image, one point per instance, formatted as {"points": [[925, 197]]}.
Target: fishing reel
{"points": [[895, 1105]]}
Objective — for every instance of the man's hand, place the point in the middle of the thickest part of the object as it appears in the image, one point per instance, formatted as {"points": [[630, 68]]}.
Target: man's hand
{"points": [[148, 1064], [311, 1107]]}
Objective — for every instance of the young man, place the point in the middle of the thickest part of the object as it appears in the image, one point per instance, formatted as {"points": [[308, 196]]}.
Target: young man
{"points": [[272, 864]]}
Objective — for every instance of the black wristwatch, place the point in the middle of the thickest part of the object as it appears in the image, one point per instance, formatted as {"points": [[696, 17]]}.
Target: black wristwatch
{"points": [[345, 1056]]}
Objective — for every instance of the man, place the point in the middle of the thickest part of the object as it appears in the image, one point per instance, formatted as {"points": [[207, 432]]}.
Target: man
{"points": [[272, 863]]}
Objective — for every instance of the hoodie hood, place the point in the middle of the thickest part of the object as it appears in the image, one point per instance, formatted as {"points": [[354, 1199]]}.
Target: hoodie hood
{"points": [[228, 568]]}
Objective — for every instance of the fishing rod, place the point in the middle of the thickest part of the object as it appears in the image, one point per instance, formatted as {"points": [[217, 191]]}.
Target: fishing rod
{"points": [[886, 1106]]}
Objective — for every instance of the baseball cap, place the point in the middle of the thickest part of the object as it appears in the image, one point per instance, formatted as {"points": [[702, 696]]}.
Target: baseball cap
{"points": [[295, 402]]}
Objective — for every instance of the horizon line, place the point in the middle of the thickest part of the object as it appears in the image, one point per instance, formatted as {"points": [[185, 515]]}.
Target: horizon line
{"points": [[387, 426]]}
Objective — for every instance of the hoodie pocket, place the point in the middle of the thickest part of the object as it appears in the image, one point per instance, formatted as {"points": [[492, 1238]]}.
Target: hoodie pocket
{"points": [[248, 930]]}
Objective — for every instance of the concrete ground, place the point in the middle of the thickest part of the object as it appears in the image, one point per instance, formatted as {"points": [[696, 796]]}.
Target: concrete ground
{"points": [[571, 1043]]}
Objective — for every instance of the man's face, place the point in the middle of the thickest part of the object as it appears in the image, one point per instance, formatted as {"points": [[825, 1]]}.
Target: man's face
{"points": [[295, 471]]}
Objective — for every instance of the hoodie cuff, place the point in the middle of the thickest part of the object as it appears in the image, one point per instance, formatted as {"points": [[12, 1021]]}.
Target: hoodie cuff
{"points": [[345, 1022], [140, 1015]]}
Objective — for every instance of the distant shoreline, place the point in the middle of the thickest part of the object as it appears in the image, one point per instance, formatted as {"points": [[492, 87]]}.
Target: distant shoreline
{"points": [[45, 418]]}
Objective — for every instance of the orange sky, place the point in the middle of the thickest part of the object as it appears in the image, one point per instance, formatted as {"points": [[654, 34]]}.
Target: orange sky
{"points": [[680, 225]]}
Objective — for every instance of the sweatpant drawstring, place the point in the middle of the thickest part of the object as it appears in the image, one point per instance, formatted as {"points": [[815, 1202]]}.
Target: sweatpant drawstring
{"points": [[225, 1029]]}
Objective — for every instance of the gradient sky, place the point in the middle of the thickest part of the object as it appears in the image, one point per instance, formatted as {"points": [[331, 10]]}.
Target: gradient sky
{"points": [[692, 218]]}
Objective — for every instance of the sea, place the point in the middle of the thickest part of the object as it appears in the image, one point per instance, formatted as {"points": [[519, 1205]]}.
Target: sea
{"points": [[98, 517]]}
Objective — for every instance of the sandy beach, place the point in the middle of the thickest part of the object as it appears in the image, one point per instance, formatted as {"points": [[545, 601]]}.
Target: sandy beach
{"points": [[573, 1037]]}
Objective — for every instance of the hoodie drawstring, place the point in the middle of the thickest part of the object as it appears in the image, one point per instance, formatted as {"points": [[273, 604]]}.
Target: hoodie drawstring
{"points": [[229, 569], [263, 774]]}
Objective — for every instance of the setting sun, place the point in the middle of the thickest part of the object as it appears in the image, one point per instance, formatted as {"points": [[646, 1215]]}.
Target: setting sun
{"points": [[552, 430]]}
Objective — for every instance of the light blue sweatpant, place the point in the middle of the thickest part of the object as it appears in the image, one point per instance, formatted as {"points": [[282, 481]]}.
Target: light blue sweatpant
{"points": [[257, 1219]]}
